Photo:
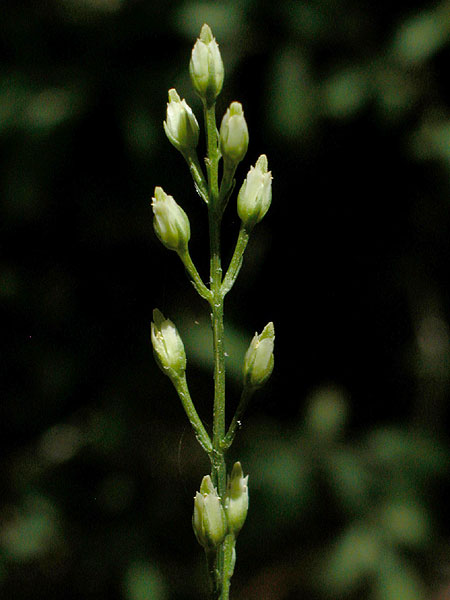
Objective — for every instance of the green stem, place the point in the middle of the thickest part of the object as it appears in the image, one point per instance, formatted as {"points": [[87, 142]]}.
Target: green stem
{"points": [[219, 473], [197, 281], [236, 260], [235, 424], [201, 434], [219, 470], [211, 556], [228, 565], [197, 175], [227, 184], [213, 155]]}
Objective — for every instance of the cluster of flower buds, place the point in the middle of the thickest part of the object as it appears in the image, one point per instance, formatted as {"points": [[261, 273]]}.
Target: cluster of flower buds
{"points": [[206, 69], [213, 519]]}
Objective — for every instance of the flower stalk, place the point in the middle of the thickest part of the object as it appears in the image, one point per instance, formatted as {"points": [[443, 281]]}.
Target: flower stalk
{"points": [[221, 505]]}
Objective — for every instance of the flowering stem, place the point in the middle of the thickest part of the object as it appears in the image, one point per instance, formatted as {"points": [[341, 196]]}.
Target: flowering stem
{"points": [[220, 507]]}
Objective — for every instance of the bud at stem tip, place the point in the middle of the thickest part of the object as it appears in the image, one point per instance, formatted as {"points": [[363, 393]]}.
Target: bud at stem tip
{"points": [[206, 66]]}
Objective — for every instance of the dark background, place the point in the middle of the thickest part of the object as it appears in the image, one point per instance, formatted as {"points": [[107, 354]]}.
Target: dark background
{"points": [[347, 445]]}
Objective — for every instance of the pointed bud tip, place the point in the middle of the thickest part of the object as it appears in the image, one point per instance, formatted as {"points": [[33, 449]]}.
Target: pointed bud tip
{"points": [[206, 34], [206, 486], [268, 331], [158, 317], [236, 108], [262, 163], [173, 95], [158, 193]]}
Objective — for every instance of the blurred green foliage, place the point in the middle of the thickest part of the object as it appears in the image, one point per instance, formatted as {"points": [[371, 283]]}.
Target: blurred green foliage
{"points": [[347, 449]]}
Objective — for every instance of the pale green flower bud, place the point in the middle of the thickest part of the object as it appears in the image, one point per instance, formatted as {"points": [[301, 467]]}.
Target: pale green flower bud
{"points": [[236, 499], [255, 195], [170, 222], [168, 346], [258, 361], [208, 521], [206, 66], [181, 126], [233, 137]]}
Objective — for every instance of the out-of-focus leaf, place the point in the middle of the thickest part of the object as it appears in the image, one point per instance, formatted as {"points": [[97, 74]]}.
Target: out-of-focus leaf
{"points": [[396, 580], [418, 454], [292, 94], [29, 530], [345, 92], [353, 558], [406, 523], [349, 478], [422, 35], [327, 413], [143, 581]]}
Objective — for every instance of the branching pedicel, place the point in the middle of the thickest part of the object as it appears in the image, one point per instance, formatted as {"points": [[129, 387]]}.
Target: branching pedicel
{"points": [[220, 507]]}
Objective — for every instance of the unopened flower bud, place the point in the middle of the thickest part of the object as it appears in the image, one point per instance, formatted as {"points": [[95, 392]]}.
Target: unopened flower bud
{"points": [[233, 137], [181, 126], [236, 499], [170, 222], [168, 346], [255, 195], [258, 361], [206, 66], [208, 521]]}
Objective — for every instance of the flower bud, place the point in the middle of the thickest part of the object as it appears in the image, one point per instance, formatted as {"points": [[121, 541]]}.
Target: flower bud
{"points": [[181, 126], [258, 361], [168, 346], [206, 66], [233, 137], [255, 195], [170, 222], [208, 521], [236, 499]]}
